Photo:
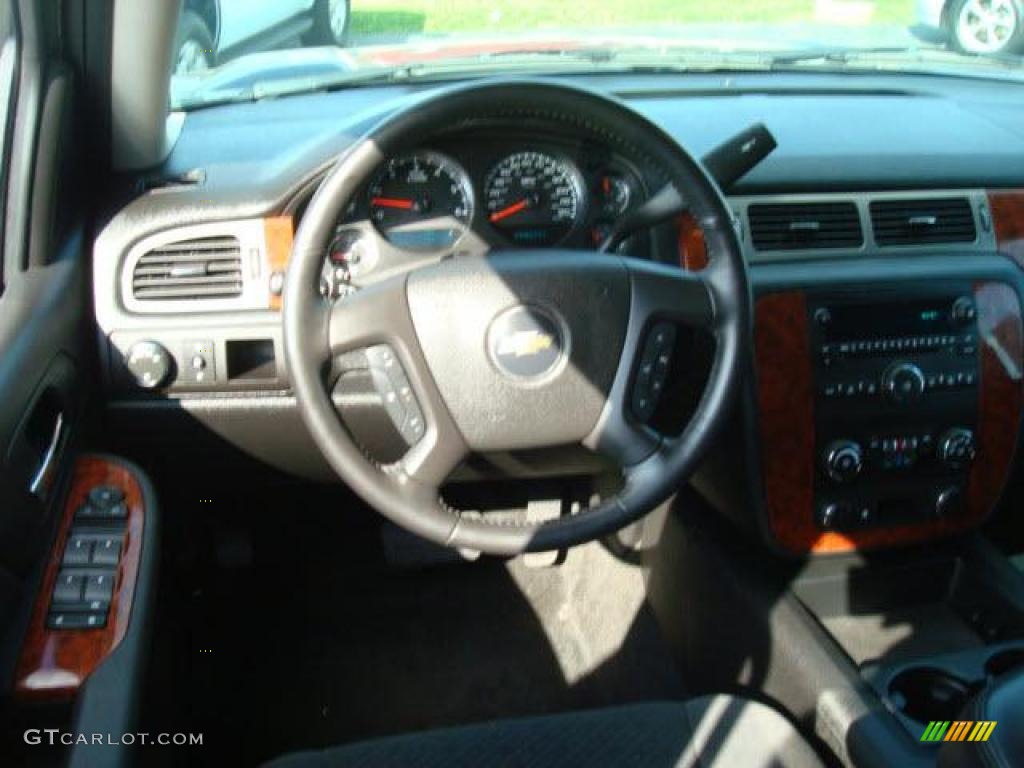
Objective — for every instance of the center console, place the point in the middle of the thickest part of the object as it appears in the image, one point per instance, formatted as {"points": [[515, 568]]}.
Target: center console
{"points": [[887, 410]]}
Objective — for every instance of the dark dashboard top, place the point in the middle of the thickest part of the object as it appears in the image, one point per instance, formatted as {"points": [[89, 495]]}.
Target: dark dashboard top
{"points": [[858, 131]]}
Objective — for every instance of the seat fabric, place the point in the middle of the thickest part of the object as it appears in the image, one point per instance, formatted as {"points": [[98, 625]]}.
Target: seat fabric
{"points": [[707, 732]]}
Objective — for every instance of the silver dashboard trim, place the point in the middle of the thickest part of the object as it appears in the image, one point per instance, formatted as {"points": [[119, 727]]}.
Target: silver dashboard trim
{"points": [[255, 269]]}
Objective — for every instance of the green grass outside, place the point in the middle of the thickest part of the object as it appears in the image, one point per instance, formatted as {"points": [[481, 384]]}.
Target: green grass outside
{"points": [[397, 18]]}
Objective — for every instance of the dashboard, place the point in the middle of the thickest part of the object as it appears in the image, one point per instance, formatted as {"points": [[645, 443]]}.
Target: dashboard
{"points": [[890, 200]]}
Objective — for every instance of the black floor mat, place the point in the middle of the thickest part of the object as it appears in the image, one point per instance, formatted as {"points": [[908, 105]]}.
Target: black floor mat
{"points": [[281, 629]]}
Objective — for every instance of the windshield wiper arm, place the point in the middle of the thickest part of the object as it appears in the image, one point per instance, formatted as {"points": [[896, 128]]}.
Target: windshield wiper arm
{"points": [[924, 55], [269, 89]]}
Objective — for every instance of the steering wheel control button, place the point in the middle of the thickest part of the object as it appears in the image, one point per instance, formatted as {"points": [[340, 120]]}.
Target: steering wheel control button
{"points": [[149, 364], [392, 385], [527, 344], [653, 370]]}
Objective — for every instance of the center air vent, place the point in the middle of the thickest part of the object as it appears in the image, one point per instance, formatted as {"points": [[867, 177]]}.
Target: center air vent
{"points": [[917, 222], [204, 268], [803, 226]]}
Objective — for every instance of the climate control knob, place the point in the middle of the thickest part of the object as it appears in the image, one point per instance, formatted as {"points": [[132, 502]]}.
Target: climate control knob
{"points": [[149, 364], [903, 382], [956, 447], [949, 502], [843, 460]]}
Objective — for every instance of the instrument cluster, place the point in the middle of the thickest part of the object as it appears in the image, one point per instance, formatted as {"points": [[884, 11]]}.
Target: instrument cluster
{"points": [[451, 199]]}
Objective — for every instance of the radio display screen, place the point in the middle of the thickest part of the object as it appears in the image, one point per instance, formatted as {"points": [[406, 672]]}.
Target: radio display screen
{"points": [[913, 318]]}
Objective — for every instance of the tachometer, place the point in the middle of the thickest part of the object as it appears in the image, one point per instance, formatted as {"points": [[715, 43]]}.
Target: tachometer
{"points": [[533, 198], [422, 201]]}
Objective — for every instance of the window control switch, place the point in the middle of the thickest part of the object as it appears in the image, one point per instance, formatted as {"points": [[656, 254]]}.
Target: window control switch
{"points": [[106, 551], [99, 588], [90, 512], [78, 551], [76, 620], [68, 588]]}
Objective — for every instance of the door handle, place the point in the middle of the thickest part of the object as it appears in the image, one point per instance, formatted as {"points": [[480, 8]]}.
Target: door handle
{"points": [[43, 477]]}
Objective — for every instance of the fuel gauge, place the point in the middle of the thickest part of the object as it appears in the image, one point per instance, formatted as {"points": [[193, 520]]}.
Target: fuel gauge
{"points": [[614, 193]]}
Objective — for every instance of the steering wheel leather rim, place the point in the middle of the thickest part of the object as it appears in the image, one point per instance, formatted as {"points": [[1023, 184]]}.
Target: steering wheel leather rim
{"points": [[408, 492]]}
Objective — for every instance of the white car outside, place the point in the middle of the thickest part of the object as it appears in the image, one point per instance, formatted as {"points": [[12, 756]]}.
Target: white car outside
{"points": [[976, 26]]}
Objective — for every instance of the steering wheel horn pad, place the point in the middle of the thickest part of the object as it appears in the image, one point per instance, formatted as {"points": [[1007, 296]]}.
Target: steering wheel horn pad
{"points": [[458, 309], [520, 349]]}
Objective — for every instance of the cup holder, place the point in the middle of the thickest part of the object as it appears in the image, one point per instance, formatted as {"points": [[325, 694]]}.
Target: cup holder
{"points": [[1005, 661], [926, 693]]}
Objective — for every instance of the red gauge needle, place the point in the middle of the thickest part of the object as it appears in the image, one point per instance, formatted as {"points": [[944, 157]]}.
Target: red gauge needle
{"points": [[511, 210], [393, 202]]}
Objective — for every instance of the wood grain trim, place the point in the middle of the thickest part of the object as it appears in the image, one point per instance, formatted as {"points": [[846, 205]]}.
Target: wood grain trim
{"points": [[1008, 222], [53, 665], [279, 232], [785, 397], [999, 397], [692, 248]]}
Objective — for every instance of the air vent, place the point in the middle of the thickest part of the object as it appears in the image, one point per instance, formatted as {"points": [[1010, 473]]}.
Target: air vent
{"points": [[803, 226], [206, 268], [922, 222]]}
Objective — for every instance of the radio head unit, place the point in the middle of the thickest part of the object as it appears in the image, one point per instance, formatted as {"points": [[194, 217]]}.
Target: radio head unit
{"points": [[896, 398]]}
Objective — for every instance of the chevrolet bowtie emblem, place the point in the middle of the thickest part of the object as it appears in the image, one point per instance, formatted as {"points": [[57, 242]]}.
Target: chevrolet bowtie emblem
{"points": [[524, 344], [528, 343]]}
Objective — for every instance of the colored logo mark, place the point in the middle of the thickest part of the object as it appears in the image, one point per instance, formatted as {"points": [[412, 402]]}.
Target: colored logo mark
{"points": [[958, 730]]}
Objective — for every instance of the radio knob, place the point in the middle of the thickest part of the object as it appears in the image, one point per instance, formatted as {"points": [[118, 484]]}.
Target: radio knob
{"points": [[956, 447], [844, 460], [963, 311], [903, 382], [149, 364]]}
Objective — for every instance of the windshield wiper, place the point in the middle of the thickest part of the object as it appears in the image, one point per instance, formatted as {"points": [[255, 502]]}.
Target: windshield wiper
{"points": [[896, 55], [542, 62], [290, 86]]}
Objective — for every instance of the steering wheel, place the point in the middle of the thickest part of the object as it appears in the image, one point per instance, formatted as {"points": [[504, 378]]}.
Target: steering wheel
{"points": [[517, 349]]}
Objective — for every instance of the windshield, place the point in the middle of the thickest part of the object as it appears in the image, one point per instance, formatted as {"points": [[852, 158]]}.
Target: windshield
{"points": [[245, 49]]}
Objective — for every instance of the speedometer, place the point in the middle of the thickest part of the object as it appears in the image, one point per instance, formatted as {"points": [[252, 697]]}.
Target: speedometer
{"points": [[533, 198], [421, 202]]}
